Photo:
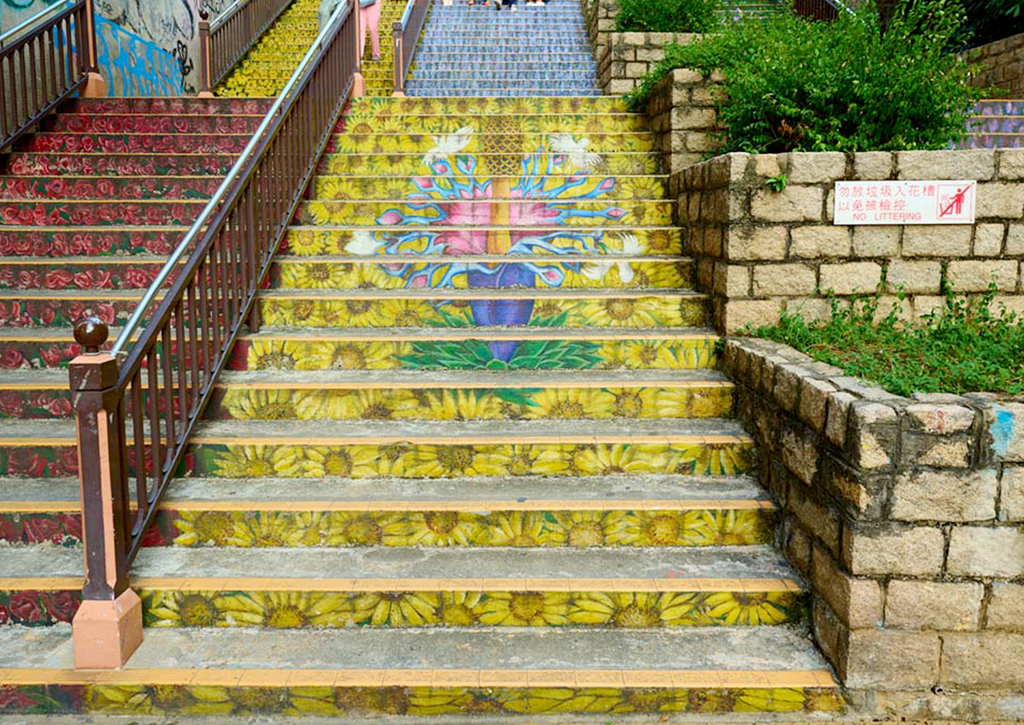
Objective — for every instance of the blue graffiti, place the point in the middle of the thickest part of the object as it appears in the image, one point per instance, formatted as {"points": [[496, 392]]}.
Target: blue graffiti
{"points": [[134, 66], [1002, 431]]}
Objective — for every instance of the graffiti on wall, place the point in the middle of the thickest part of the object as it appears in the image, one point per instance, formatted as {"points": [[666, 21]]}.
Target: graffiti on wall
{"points": [[134, 66]]}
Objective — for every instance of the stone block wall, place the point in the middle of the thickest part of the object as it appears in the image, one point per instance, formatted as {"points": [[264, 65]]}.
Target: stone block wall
{"points": [[905, 517], [1003, 65], [623, 59], [760, 251], [684, 122]]}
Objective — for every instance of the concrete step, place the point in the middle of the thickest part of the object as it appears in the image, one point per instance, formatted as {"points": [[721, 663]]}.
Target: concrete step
{"points": [[421, 673], [516, 511]]}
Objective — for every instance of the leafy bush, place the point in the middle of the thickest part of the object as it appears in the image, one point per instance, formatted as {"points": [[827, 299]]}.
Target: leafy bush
{"points": [[668, 16], [796, 85], [962, 347]]}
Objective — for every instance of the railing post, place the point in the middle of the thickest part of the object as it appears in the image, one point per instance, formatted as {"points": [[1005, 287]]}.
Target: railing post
{"points": [[205, 68], [107, 628], [96, 85], [399, 58], [358, 82]]}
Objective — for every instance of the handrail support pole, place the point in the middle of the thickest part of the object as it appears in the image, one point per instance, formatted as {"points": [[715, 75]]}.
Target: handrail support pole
{"points": [[107, 628], [95, 84], [399, 60], [205, 69]]}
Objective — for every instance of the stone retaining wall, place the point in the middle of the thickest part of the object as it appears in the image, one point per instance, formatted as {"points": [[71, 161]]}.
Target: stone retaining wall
{"points": [[684, 122], [623, 59], [760, 252], [1003, 63], [906, 519]]}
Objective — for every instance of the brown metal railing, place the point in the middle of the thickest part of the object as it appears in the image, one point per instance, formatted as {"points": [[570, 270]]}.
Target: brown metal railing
{"points": [[818, 9], [224, 40], [406, 37], [43, 61], [135, 419]]}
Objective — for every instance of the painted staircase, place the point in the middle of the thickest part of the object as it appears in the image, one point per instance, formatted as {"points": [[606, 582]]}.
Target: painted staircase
{"points": [[476, 51], [752, 9], [477, 461], [996, 124], [274, 57]]}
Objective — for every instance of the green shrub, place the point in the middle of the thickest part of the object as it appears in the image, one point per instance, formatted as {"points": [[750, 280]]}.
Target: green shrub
{"points": [[962, 347], [668, 16], [796, 85]]}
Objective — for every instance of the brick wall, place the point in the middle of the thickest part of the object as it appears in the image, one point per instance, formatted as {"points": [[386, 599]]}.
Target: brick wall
{"points": [[681, 111], [1003, 63], [760, 252], [906, 519]]}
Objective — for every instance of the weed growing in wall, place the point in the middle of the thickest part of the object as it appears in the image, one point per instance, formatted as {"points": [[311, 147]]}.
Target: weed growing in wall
{"points": [[967, 345]]}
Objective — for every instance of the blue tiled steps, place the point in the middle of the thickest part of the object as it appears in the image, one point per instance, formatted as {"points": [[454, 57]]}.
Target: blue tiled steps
{"points": [[475, 51], [996, 124]]}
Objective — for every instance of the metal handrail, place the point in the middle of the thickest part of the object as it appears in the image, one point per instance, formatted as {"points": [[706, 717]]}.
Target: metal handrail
{"points": [[227, 13], [406, 33], [44, 62], [240, 168], [135, 418], [5, 37]]}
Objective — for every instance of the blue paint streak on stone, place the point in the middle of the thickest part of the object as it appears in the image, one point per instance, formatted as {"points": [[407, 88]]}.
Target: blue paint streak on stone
{"points": [[1002, 430]]}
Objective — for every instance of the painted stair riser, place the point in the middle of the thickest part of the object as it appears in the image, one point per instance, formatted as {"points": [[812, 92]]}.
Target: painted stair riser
{"points": [[298, 241], [996, 125], [509, 312], [591, 351], [339, 276], [328, 186], [501, 77], [291, 609], [101, 164], [495, 106], [115, 188], [196, 526], [405, 165], [563, 402], [88, 213], [171, 124], [553, 67], [91, 143], [58, 458], [992, 141], [429, 90], [1001, 108], [304, 308], [628, 351], [307, 241], [487, 138], [86, 243], [512, 59], [540, 212], [293, 274], [510, 696], [169, 106]]}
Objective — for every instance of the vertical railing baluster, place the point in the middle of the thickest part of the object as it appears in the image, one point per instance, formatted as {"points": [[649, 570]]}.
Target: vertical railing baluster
{"points": [[138, 418], [167, 383], [156, 439], [182, 367], [194, 343]]}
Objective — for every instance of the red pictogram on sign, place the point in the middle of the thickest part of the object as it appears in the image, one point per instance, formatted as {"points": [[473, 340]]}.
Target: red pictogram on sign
{"points": [[955, 201]]}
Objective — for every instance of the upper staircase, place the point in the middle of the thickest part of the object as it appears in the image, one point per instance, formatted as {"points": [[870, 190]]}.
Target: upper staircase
{"points": [[266, 68], [996, 124], [478, 51]]}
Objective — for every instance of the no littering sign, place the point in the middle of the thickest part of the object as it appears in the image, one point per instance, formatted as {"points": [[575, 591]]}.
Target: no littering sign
{"points": [[905, 202]]}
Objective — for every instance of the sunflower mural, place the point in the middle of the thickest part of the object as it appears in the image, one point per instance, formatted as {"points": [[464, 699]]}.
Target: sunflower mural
{"points": [[500, 202]]}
